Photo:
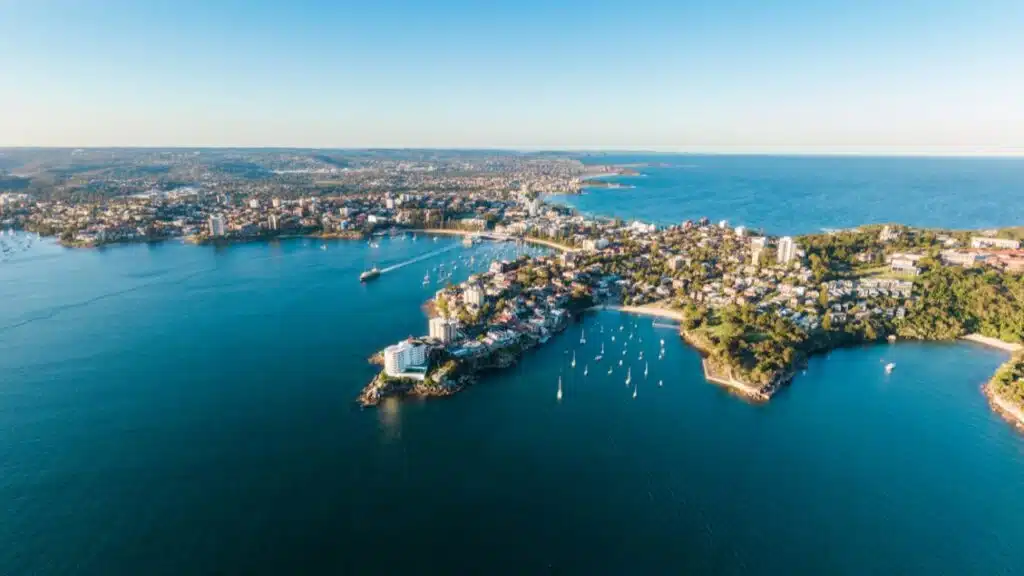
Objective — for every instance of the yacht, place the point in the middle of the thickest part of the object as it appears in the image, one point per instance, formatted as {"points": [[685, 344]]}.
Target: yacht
{"points": [[559, 395], [629, 376], [890, 367], [585, 369], [371, 274], [573, 359]]}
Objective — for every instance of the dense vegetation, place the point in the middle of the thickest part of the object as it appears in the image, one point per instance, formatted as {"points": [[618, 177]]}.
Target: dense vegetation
{"points": [[1009, 380], [757, 345], [954, 301]]}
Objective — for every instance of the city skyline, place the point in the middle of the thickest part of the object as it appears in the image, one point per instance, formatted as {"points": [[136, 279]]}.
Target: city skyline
{"points": [[787, 78]]}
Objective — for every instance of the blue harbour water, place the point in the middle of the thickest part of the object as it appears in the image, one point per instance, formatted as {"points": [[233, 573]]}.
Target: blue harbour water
{"points": [[173, 409], [800, 194]]}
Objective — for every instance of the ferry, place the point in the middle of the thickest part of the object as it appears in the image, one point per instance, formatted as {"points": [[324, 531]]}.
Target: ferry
{"points": [[370, 274]]}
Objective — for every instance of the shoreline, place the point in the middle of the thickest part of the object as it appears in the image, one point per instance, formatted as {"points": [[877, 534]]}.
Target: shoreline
{"points": [[1013, 414], [993, 343]]}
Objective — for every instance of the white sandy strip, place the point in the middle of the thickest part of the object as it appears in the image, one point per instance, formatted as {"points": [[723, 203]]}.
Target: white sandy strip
{"points": [[993, 342]]}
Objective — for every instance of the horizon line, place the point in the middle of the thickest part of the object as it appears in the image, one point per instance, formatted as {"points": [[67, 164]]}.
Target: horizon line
{"points": [[829, 151]]}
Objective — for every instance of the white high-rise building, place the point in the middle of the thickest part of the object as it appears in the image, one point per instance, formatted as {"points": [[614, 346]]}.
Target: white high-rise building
{"points": [[274, 222], [757, 245], [474, 295], [217, 227], [741, 231], [442, 329], [787, 250], [399, 357], [533, 206]]}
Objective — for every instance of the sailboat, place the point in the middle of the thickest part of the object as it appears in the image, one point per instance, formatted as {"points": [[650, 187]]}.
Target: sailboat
{"points": [[559, 395], [573, 358], [583, 336], [646, 366]]}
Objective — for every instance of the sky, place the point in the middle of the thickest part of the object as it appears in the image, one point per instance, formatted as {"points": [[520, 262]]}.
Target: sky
{"points": [[816, 76]]}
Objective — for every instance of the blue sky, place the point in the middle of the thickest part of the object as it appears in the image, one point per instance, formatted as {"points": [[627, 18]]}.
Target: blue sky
{"points": [[733, 75]]}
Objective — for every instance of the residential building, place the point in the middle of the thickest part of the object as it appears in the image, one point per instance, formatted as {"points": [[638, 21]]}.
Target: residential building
{"points": [[474, 295], [958, 258], [442, 329], [757, 247], [889, 234], [400, 357], [741, 231], [254, 203], [274, 222], [1002, 243], [904, 264], [786, 251], [217, 227]]}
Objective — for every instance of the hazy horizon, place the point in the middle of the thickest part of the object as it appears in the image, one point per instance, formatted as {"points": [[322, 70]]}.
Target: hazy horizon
{"points": [[797, 77]]}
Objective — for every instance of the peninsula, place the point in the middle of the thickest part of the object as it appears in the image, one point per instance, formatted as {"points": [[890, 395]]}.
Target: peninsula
{"points": [[755, 305]]}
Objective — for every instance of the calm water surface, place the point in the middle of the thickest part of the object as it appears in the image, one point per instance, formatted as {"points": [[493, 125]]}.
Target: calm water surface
{"points": [[799, 195], [173, 409]]}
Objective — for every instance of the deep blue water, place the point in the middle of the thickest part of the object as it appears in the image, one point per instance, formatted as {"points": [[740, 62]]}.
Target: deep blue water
{"points": [[798, 195], [172, 409]]}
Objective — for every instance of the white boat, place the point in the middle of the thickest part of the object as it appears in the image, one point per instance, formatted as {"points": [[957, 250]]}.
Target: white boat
{"points": [[620, 362], [634, 390], [890, 367], [662, 342], [585, 369], [609, 371], [602, 348], [641, 357], [629, 376], [559, 395], [613, 338], [573, 358], [646, 366], [659, 382], [583, 336]]}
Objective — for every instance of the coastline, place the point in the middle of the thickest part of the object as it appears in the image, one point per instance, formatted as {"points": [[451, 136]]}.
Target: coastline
{"points": [[993, 343], [1009, 411]]}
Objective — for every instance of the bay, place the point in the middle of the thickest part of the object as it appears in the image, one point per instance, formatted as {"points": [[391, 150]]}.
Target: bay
{"points": [[169, 409]]}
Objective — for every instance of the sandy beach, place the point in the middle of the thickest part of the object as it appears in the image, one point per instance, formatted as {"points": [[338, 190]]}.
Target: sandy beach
{"points": [[993, 342]]}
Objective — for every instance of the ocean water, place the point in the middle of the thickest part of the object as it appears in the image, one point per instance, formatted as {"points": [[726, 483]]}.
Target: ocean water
{"points": [[800, 195], [171, 409]]}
